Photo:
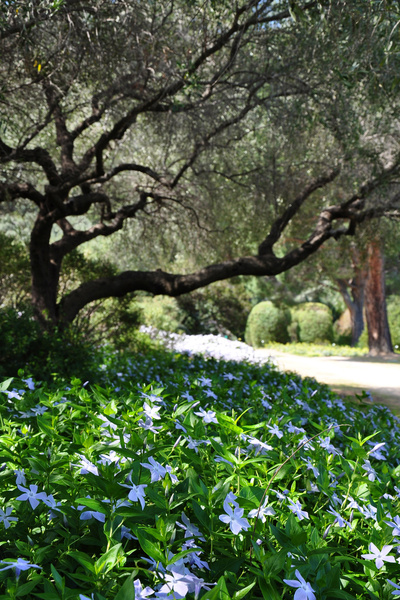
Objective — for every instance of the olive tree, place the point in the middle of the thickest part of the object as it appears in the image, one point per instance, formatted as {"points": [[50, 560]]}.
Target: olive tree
{"points": [[119, 111]]}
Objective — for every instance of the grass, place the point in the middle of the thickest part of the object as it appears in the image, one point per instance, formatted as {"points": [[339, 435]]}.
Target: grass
{"points": [[303, 349], [174, 477]]}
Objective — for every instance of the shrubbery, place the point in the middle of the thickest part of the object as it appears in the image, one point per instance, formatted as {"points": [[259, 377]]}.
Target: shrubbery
{"points": [[313, 323], [310, 322], [393, 308], [267, 323]]}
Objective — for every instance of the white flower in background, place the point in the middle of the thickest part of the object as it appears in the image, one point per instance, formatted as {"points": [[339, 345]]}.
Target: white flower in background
{"points": [[87, 466], [151, 411], [275, 430], [395, 525]]}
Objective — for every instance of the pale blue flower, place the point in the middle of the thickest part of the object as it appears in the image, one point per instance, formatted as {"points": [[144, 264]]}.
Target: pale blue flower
{"points": [[19, 565], [263, 511], [372, 475], [275, 430], [156, 469], [295, 507], [136, 493], [304, 591], [5, 517], [31, 495], [208, 417], [397, 590], [234, 518], [140, 592], [379, 556]]}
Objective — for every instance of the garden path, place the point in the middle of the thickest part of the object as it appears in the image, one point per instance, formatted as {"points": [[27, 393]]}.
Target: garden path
{"points": [[346, 375]]}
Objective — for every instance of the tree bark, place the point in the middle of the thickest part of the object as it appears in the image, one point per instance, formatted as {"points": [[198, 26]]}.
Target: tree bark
{"points": [[353, 293], [354, 300], [379, 340]]}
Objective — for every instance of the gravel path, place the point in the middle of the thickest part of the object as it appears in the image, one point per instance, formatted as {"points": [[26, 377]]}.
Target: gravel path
{"points": [[379, 377]]}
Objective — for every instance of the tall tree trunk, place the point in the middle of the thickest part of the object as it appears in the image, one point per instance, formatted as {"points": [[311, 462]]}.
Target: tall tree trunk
{"points": [[379, 340], [354, 300], [353, 294]]}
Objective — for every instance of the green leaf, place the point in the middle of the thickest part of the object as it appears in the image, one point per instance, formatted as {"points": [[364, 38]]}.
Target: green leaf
{"points": [[274, 564], [84, 560], [4, 385], [26, 588], [58, 580], [127, 590], [268, 592], [219, 592], [242, 593], [106, 562], [149, 547], [92, 504]]}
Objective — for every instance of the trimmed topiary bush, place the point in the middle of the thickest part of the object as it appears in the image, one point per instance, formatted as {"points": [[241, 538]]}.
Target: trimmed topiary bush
{"points": [[267, 323], [314, 322]]}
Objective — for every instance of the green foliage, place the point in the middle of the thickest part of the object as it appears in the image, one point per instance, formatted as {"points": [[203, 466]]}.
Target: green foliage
{"points": [[14, 272], [218, 309], [267, 323], [161, 312], [393, 308], [42, 354], [303, 349], [342, 333], [313, 323], [242, 478]]}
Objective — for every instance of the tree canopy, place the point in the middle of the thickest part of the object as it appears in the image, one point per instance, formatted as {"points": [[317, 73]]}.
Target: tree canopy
{"points": [[202, 120]]}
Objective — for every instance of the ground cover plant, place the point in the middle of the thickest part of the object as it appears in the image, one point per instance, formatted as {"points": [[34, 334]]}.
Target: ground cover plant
{"points": [[176, 476]]}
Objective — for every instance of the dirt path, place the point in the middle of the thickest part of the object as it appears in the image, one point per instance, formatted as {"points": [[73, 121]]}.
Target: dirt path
{"points": [[380, 377]]}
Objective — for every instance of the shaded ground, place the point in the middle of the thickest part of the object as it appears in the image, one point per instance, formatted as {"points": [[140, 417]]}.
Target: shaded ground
{"points": [[347, 375]]}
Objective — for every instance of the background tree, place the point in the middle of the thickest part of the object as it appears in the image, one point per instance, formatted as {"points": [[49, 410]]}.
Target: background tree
{"points": [[128, 111]]}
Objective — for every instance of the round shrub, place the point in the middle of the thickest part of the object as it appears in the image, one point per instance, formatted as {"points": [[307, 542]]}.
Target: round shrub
{"points": [[314, 322], [267, 323]]}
